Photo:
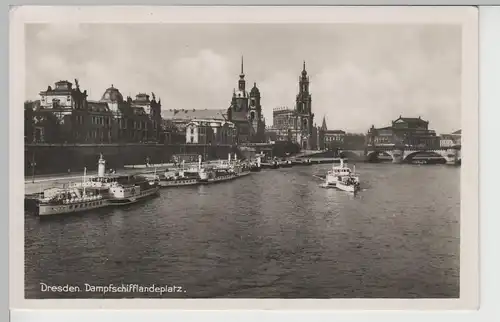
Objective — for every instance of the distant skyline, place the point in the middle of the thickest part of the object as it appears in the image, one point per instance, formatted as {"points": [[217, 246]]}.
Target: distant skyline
{"points": [[360, 74]]}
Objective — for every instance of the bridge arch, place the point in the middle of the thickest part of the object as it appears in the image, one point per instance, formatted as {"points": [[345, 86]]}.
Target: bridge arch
{"points": [[373, 155], [409, 157], [349, 155]]}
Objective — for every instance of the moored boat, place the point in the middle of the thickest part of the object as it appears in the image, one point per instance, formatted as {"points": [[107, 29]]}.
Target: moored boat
{"points": [[56, 201], [124, 189], [94, 192], [71, 198], [225, 171], [180, 177]]}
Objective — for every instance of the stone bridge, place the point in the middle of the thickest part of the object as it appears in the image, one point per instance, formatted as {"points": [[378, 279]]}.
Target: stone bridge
{"points": [[452, 155]]}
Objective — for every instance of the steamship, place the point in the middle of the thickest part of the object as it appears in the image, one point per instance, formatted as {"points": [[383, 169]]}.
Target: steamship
{"points": [[95, 192], [182, 177], [224, 171], [201, 174]]}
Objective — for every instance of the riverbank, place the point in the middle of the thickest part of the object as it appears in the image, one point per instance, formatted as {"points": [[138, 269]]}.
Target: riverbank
{"points": [[41, 182]]}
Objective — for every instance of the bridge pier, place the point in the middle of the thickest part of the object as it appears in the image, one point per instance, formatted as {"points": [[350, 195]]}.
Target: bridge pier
{"points": [[452, 156], [397, 156]]}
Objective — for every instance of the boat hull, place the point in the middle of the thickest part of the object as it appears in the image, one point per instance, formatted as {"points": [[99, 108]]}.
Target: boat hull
{"points": [[178, 183], [50, 209], [135, 198], [347, 188], [225, 177]]}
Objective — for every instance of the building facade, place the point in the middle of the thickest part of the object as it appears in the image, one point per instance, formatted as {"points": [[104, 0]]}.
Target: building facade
{"points": [[333, 139], [205, 131], [404, 132], [65, 115], [297, 125], [451, 140], [245, 112], [339, 139]]}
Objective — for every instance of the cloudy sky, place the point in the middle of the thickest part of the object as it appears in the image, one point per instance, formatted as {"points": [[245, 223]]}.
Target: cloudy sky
{"points": [[360, 74]]}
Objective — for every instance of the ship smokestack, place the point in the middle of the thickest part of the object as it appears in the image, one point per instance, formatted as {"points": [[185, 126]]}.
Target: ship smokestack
{"points": [[101, 167], [229, 157], [199, 161]]}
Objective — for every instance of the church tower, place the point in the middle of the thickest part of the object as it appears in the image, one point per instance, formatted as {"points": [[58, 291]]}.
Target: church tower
{"points": [[241, 93], [304, 112], [255, 112], [323, 125]]}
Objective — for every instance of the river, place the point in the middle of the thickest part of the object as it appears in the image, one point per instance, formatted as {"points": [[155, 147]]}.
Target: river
{"points": [[274, 234]]}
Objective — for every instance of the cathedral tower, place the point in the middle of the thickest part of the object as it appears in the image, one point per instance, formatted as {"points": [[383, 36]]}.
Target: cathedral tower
{"points": [[303, 111], [241, 93], [255, 114]]}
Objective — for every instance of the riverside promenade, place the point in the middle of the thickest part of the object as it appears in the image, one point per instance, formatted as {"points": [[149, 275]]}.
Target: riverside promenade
{"points": [[47, 181], [42, 182]]}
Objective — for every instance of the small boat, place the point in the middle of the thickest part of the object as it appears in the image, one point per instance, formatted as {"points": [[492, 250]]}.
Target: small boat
{"points": [[348, 184], [337, 173]]}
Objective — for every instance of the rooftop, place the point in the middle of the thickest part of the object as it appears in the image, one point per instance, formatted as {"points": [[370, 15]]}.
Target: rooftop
{"points": [[98, 106], [216, 114], [410, 119], [334, 132]]}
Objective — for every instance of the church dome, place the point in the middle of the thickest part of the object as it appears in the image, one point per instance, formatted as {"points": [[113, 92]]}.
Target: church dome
{"points": [[112, 95]]}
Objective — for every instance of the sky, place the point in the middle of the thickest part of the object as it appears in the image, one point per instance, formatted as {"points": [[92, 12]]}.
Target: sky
{"points": [[361, 74]]}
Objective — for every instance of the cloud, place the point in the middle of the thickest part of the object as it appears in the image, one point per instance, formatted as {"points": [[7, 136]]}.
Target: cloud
{"points": [[360, 74]]}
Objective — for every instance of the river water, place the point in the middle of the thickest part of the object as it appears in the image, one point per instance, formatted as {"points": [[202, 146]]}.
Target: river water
{"points": [[274, 234]]}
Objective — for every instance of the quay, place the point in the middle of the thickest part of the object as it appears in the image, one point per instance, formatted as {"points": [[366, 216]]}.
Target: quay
{"points": [[42, 182]]}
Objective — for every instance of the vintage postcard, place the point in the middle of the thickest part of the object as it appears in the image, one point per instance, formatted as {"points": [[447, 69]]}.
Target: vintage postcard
{"points": [[244, 157]]}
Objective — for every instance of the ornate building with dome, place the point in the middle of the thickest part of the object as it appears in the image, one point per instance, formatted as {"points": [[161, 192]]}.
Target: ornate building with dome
{"points": [[245, 111], [65, 115], [136, 120]]}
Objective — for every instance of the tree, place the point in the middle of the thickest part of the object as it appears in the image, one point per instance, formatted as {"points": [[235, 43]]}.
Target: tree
{"points": [[50, 124], [28, 122]]}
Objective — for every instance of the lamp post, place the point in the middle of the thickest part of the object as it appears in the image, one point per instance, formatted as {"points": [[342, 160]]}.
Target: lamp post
{"points": [[33, 165]]}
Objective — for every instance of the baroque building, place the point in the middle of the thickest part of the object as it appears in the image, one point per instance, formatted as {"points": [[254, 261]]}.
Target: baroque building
{"points": [[409, 132], [136, 120], [297, 125], [65, 115], [245, 112], [207, 131]]}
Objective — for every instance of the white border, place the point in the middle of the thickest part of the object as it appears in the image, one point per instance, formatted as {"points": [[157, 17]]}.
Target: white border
{"points": [[465, 16]]}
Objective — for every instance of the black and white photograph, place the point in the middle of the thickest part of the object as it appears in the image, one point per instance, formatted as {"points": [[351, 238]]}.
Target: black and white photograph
{"points": [[242, 160]]}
